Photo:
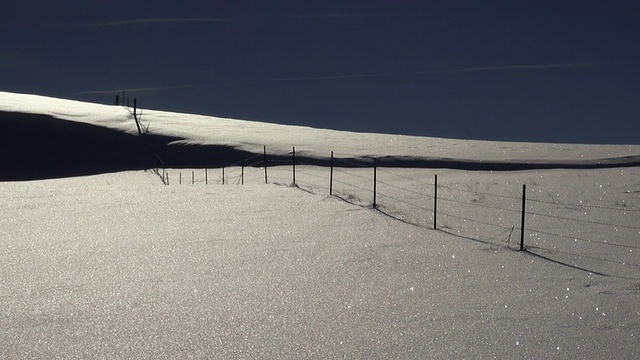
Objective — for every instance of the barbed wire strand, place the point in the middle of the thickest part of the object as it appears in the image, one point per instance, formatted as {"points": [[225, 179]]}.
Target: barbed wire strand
{"points": [[501, 196], [614, 208], [584, 221], [479, 205], [352, 174], [383, 195], [355, 186], [529, 230], [472, 220], [405, 189], [406, 177]]}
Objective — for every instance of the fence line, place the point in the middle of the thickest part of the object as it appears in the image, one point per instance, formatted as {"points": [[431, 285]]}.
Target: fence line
{"points": [[418, 199], [419, 204]]}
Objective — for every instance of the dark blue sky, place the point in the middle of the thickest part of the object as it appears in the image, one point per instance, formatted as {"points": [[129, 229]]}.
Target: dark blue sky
{"points": [[555, 71]]}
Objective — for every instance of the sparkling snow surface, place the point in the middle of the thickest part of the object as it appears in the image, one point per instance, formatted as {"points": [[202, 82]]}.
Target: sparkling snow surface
{"points": [[122, 266]]}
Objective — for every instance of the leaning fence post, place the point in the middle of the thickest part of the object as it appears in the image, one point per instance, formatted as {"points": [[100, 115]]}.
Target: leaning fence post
{"points": [[265, 164], [435, 203], [331, 176], [294, 165], [375, 181], [135, 115], [524, 199]]}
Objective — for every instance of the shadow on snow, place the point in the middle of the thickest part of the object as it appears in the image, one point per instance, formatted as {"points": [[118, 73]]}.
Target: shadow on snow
{"points": [[36, 146]]}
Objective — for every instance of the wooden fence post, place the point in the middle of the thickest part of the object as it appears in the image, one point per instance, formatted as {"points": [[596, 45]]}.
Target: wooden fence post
{"points": [[294, 165], [524, 200], [265, 164], [435, 203], [193, 177], [242, 173], [135, 115], [331, 176], [375, 181], [206, 177]]}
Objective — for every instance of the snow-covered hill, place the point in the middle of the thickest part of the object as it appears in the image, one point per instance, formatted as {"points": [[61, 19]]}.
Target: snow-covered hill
{"points": [[121, 265], [250, 136]]}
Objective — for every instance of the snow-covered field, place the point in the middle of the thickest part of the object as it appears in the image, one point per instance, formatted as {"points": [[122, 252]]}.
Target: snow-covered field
{"points": [[120, 265]]}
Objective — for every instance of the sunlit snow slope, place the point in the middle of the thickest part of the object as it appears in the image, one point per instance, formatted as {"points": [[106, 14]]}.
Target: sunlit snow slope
{"points": [[79, 138]]}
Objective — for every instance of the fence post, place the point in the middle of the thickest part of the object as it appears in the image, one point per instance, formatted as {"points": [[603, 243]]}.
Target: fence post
{"points": [[223, 175], [180, 179], [167, 174], [294, 165], [206, 177], [375, 181], [331, 176], [265, 164], [242, 173], [135, 115], [193, 177], [524, 199], [435, 203]]}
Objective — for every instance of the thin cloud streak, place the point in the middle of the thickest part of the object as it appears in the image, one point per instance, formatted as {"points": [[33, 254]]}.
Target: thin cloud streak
{"points": [[159, 88], [328, 16], [450, 71], [152, 21], [143, 21], [364, 76], [101, 92]]}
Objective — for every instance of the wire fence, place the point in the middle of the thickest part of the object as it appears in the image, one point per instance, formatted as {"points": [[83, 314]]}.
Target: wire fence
{"points": [[502, 216]]}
